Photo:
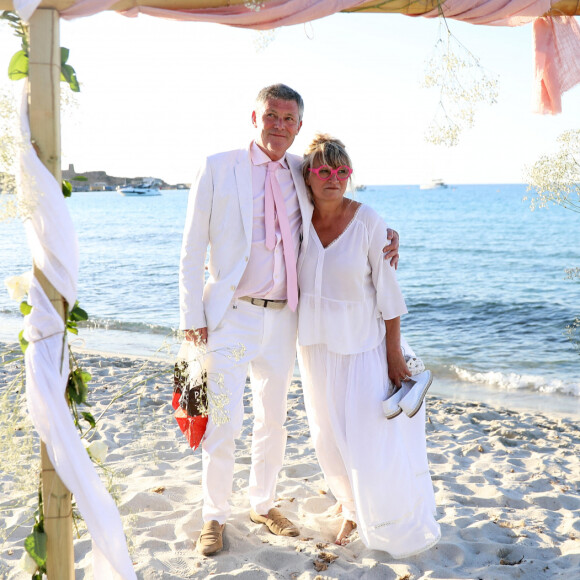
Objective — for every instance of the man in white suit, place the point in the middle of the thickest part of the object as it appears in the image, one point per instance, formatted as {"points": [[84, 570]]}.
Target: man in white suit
{"points": [[249, 298]]}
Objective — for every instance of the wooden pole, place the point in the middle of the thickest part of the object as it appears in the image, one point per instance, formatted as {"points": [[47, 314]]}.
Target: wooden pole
{"points": [[44, 116]]}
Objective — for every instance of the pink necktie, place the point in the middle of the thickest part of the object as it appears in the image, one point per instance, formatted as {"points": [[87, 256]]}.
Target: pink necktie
{"points": [[274, 198]]}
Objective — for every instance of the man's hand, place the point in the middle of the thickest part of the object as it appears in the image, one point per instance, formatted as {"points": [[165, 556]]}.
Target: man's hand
{"points": [[198, 336], [391, 250]]}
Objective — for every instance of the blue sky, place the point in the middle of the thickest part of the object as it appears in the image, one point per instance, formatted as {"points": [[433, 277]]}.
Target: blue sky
{"points": [[158, 95]]}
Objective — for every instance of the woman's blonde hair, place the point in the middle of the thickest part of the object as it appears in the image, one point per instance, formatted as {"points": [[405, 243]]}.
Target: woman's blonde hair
{"points": [[324, 150]]}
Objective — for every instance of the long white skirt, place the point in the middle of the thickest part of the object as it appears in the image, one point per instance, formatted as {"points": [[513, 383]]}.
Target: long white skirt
{"points": [[376, 468]]}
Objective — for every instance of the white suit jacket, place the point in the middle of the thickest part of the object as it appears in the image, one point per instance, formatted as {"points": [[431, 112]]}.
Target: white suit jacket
{"points": [[220, 215]]}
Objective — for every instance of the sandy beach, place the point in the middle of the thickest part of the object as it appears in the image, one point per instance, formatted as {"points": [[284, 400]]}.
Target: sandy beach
{"points": [[507, 488]]}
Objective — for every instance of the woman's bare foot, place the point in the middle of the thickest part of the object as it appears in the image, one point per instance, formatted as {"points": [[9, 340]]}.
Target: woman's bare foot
{"points": [[336, 509], [343, 536]]}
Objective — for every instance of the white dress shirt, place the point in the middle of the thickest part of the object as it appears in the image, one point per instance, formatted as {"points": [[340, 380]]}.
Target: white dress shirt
{"points": [[265, 274]]}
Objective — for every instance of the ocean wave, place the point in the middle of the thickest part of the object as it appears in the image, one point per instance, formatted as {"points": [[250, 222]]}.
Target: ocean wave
{"points": [[128, 326], [514, 381]]}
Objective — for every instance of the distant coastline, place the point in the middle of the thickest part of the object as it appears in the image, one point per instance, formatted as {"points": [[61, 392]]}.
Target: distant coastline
{"points": [[101, 181]]}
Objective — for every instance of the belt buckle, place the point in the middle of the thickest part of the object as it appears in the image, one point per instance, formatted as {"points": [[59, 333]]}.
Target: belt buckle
{"points": [[259, 302]]}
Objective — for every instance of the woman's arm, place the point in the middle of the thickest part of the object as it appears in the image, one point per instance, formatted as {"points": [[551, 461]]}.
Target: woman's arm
{"points": [[398, 370]]}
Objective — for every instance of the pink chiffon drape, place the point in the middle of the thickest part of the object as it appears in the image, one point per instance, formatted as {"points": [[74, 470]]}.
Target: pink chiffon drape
{"points": [[556, 38]]}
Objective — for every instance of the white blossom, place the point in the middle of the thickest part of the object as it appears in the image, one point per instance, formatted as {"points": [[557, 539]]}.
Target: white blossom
{"points": [[263, 39], [97, 450], [463, 84], [27, 563], [555, 179], [9, 155], [18, 286], [237, 353], [254, 5]]}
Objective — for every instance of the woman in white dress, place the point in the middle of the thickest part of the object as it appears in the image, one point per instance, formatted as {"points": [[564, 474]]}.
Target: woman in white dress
{"points": [[349, 347]]}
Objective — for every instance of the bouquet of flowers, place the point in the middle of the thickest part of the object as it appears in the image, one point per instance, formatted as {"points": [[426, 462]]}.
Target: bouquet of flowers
{"points": [[190, 398]]}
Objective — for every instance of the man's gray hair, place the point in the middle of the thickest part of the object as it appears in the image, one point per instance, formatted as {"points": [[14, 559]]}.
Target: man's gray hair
{"points": [[283, 92]]}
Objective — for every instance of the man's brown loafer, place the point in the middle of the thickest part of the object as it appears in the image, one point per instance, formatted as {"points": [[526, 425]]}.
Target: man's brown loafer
{"points": [[276, 523], [210, 539]]}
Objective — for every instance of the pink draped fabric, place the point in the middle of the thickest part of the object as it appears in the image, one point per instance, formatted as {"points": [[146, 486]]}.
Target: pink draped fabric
{"points": [[557, 49], [556, 42], [556, 38], [273, 14]]}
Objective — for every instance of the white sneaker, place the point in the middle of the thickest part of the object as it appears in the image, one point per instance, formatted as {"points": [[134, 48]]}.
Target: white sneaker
{"points": [[391, 407], [418, 385]]}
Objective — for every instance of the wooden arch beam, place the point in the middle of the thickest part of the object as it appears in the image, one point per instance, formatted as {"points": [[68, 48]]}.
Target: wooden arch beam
{"points": [[418, 7]]}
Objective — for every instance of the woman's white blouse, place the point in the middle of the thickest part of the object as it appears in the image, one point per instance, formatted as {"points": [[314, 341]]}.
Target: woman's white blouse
{"points": [[347, 289]]}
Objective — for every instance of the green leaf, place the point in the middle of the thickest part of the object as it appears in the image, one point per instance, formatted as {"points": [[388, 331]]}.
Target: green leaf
{"points": [[25, 308], [67, 73], [71, 389], [76, 387], [89, 418], [18, 67], [78, 314], [86, 377], [66, 188], [23, 342], [72, 327], [64, 52], [74, 83], [35, 545], [10, 16]]}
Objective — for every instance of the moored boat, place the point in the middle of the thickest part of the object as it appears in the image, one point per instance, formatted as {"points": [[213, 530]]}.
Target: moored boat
{"points": [[146, 188], [434, 184]]}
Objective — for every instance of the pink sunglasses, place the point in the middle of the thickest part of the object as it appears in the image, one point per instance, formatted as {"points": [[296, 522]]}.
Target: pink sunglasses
{"points": [[324, 172]]}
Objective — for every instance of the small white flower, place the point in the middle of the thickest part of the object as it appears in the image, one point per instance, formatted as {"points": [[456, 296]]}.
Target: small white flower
{"points": [[97, 450], [27, 563], [18, 286]]}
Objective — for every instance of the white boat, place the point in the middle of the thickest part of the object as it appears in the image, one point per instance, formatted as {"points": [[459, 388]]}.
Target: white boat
{"points": [[146, 188], [434, 184]]}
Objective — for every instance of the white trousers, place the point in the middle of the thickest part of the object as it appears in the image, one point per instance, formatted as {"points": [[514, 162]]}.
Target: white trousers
{"points": [[269, 340]]}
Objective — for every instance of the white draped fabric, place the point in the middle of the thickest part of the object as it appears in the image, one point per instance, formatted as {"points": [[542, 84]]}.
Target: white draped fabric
{"points": [[53, 243]]}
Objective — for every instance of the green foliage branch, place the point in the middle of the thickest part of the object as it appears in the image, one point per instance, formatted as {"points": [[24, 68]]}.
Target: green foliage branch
{"points": [[35, 543], [19, 63], [77, 384]]}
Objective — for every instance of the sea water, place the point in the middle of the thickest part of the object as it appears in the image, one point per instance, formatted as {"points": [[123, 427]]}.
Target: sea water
{"points": [[483, 276]]}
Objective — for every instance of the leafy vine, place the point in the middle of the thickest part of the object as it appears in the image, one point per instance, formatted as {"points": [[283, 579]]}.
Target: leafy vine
{"points": [[19, 63]]}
